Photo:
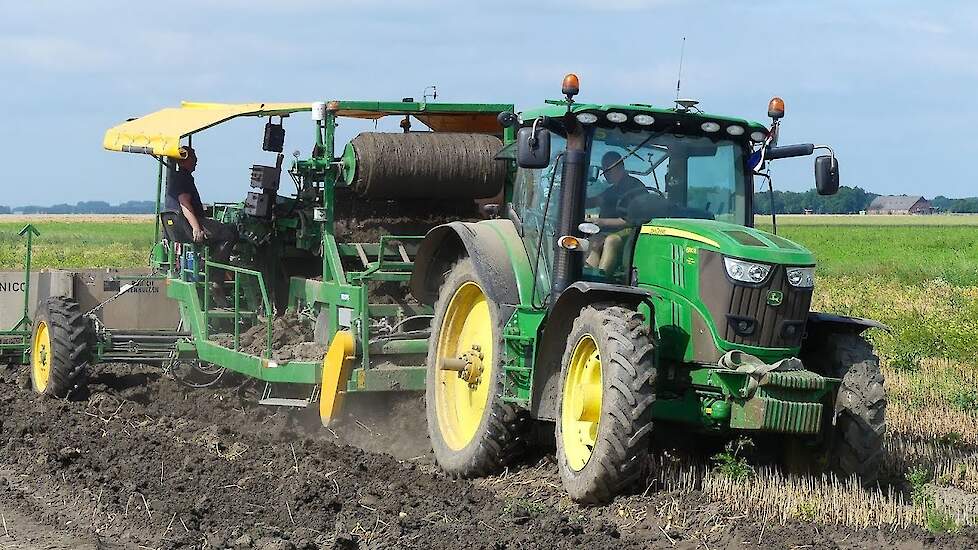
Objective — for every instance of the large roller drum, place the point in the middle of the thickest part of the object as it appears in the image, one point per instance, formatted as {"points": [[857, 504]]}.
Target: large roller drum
{"points": [[424, 165]]}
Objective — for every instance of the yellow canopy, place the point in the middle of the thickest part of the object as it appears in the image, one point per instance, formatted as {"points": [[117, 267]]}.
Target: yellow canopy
{"points": [[159, 133]]}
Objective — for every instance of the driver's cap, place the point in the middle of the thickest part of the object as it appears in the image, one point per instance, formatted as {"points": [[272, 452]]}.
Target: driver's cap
{"points": [[609, 159]]}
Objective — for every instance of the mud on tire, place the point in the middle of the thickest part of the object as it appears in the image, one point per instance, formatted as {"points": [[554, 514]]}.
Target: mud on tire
{"points": [[628, 374], [500, 436], [67, 350], [854, 445]]}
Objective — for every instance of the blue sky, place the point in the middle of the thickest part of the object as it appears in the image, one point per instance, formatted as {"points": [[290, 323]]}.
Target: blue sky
{"points": [[891, 85]]}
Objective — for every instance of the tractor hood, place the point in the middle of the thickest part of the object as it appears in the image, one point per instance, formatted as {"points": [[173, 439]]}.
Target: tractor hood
{"points": [[732, 240]]}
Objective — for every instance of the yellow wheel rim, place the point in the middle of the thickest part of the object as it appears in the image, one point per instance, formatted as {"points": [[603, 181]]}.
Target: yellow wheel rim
{"points": [[466, 328], [581, 403], [41, 356]]}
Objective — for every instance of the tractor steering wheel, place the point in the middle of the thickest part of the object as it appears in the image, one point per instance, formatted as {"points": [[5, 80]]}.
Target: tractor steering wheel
{"points": [[621, 205]]}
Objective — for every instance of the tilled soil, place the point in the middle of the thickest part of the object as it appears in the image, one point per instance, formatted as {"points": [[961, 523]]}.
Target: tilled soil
{"points": [[291, 339], [138, 461]]}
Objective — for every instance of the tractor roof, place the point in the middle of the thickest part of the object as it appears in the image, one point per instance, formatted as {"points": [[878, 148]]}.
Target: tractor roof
{"points": [[557, 108], [159, 133]]}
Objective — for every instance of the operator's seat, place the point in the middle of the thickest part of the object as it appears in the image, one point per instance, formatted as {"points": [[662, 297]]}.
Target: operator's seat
{"points": [[171, 231]]}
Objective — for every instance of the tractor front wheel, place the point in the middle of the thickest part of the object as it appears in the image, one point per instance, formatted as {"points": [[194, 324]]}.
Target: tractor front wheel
{"points": [[852, 438], [608, 387], [473, 431], [59, 348]]}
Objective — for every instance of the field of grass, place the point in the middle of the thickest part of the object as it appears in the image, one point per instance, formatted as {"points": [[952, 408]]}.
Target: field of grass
{"points": [[77, 243], [919, 275], [918, 249], [874, 221]]}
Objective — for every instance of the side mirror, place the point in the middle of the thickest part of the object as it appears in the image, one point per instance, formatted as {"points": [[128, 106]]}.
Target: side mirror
{"points": [[508, 119], [826, 175], [533, 148]]}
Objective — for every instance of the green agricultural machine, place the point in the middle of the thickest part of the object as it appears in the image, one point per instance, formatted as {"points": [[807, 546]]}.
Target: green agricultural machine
{"points": [[591, 268]]}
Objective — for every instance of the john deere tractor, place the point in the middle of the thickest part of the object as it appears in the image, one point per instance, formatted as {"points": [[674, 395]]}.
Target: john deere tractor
{"points": [[587, 267], [620, 310]]}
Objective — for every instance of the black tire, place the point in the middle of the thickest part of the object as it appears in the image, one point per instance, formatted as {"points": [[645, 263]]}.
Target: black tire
{"points": [[853, 444], [66, 351], [499, 438], [628, 376]]}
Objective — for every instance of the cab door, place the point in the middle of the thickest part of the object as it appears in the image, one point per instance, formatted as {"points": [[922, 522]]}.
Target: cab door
{"points": [[536, 203]]}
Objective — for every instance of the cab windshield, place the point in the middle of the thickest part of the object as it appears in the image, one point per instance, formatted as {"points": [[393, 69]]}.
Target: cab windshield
{"points": [[643, 175], [636, 177]]}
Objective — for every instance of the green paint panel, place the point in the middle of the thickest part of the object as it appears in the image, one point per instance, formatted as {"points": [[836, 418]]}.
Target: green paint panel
{"points": [[768, 414], [387, 379]]}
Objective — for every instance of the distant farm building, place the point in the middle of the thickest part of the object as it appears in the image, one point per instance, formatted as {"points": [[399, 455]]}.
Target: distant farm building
{"points": [[900, 204]]}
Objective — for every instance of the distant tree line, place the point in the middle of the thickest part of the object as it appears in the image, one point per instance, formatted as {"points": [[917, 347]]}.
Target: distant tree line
{"points": [[849, 200], [87, 207], [965, 205]]}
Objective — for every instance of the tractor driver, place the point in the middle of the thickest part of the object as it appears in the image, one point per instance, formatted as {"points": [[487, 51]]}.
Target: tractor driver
{"points": [[622, 186], [184, 213], [613, 209]]}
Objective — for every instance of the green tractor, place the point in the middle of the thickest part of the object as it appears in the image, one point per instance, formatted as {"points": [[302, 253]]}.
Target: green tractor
{"points": [[616, 310], [586, 267]]}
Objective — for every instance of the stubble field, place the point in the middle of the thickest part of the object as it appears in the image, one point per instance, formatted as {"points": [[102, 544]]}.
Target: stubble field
{"points": [[918, 275]]}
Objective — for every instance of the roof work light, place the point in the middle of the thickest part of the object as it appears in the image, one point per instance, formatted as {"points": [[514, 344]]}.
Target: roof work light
{"points": [[775, 108], [571, 85]]}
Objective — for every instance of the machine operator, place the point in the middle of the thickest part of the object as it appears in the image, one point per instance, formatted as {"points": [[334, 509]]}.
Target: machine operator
{"points": [[183, 212], [614, 204]]}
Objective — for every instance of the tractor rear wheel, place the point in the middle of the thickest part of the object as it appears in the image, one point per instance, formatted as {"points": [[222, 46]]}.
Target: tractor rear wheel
{"points": [[59, 347], [608, 386], [853, 443], [473, 431]]}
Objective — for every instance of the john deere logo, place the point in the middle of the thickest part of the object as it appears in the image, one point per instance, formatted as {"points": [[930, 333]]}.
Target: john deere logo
{"points": [[775, 297]]}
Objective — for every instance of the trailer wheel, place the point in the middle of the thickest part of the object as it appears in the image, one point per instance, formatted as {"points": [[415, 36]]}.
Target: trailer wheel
{"points": [[473, 432], [853, 444], [59, 348], [605, 418]]}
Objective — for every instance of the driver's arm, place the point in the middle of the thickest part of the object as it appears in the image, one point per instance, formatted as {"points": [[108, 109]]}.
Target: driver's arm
{"points": [[610, 223], [186, 204]]}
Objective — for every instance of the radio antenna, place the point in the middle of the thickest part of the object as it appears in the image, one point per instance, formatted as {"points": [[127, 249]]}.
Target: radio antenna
{"points": [[679, 79]]}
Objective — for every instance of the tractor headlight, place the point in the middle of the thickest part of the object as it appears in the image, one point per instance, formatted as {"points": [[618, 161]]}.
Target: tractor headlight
{"points": [[587, 118], [644, 120], [803, 277], [747, 272]]}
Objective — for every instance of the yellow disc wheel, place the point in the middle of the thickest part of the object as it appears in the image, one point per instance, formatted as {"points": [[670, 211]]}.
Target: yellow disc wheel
{"points": [[59, 348], [607, 391], [466, 335], [581, 403], [473, 432], [41, 357]]}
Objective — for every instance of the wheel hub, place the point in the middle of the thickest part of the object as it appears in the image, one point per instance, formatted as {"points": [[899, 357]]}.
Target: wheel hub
{"points": [[468, 365], [581, 403], [41, 356], [464, 361]]}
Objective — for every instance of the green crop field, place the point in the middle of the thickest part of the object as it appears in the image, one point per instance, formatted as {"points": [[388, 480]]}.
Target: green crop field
{"points": [[91, 241], [905, 253], [918, 275]]}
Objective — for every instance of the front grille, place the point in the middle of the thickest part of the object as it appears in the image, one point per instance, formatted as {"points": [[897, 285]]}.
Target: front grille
{"points": [[743, 314]]}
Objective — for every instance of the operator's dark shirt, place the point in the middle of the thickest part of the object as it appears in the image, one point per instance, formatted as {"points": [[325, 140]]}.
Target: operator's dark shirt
{"points": [[608, 199], [181, 182]]}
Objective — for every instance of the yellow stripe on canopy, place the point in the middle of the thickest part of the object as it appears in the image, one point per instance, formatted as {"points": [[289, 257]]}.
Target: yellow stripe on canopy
{"points": [[159, 133]]}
